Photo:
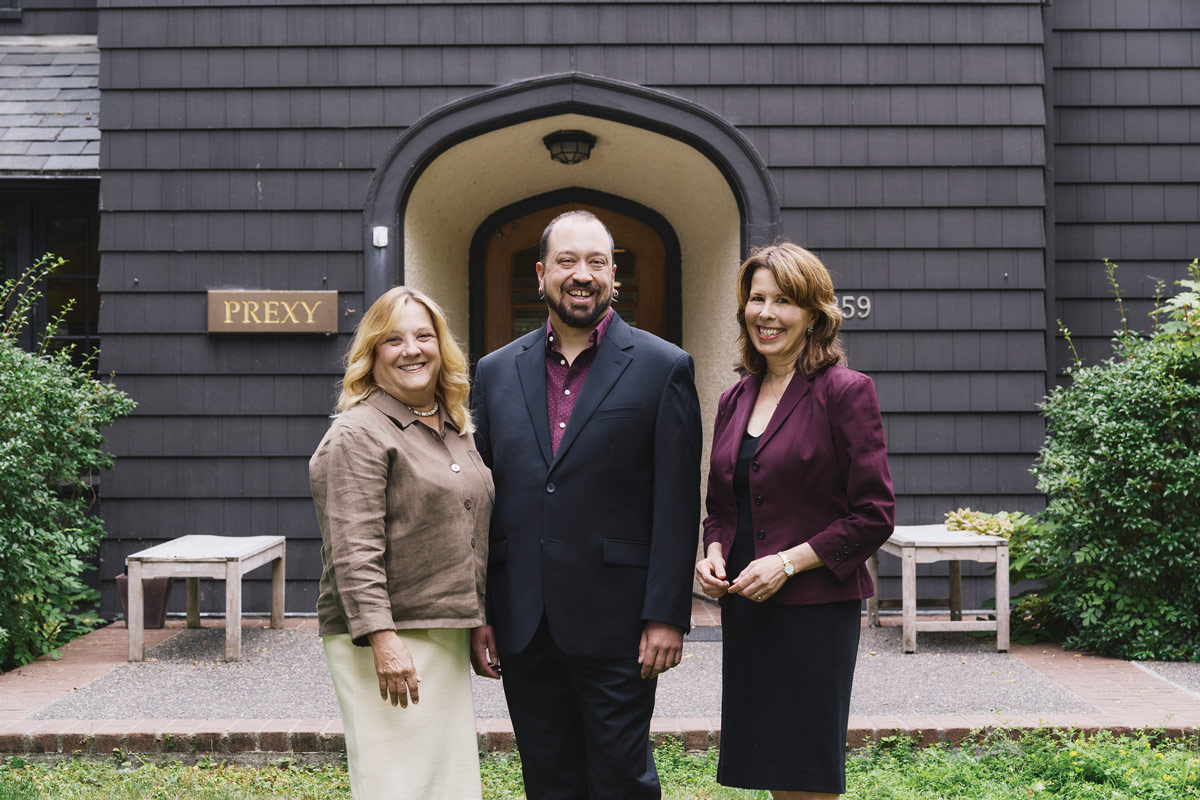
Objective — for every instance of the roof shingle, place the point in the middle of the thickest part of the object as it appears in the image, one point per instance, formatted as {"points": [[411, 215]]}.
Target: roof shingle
{"points": [[49, 105]]}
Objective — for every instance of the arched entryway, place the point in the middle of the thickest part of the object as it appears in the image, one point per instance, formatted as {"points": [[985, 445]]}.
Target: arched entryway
{"points": [[478, 157], [504, 302], [698, 128]]}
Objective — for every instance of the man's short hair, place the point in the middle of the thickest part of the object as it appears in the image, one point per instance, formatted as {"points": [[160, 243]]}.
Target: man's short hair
{"points": [[579, 213]]}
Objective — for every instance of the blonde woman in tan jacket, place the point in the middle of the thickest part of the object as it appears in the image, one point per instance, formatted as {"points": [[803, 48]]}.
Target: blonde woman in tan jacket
{"points": [[404, 502]]}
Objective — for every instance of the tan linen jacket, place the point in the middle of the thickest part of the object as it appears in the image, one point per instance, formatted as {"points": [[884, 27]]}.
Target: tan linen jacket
{"points": [[404, 515]]}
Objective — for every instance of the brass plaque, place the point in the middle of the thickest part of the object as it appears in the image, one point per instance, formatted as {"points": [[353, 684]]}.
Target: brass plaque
{"points": [[265, 311]]}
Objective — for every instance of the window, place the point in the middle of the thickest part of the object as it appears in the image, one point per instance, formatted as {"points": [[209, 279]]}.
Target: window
{"points": [[62, 219]]}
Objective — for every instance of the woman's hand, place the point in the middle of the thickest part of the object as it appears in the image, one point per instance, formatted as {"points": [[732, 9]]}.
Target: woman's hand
{"points": [[710, 571], [761, 578], [394, 667]]}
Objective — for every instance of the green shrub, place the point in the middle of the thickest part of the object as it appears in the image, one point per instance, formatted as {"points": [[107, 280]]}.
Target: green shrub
{"points": [[51, 414], [1120, 546]]}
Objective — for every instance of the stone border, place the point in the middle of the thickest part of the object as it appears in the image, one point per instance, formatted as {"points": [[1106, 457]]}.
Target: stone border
{"points": [[261, 742]]}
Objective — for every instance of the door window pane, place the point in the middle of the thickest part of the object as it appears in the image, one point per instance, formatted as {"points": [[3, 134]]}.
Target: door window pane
{"points": [[74, 287]]}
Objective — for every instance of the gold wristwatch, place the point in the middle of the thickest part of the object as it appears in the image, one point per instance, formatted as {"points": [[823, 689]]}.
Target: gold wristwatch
{"points": [[789, 568]]}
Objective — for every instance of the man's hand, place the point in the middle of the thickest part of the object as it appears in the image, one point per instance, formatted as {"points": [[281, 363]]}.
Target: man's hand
{"points": [[661, 648], [484, 658], [394, 667]]}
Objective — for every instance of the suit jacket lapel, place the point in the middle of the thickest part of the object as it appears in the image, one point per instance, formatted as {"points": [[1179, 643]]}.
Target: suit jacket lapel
{"points": [[795, 392], [611, 360], [531, 370], [747, 393]]}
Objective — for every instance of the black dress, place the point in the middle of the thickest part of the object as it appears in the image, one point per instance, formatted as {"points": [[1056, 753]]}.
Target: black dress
{"points": [[788, 670]]}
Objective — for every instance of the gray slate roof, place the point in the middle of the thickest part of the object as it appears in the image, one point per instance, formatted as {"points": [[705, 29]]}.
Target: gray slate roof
{"points": [[49, 105]]}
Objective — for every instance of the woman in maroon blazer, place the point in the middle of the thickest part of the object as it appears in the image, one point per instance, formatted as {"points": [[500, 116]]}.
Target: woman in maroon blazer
{"points": [[799, 496]]}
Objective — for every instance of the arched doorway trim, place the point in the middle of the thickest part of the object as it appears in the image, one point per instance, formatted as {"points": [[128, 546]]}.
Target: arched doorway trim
{"points": [[584, 196], [710, 134]]}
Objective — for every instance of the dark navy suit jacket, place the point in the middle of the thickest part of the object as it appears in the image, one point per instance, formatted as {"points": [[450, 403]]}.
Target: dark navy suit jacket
{"points": [[819, 475], [600, 537]]}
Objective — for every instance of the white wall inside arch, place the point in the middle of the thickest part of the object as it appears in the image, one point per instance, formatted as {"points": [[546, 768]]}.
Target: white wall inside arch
{"points": [[471, 180]]}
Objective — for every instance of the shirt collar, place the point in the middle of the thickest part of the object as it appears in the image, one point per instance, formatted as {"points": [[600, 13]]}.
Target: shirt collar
{"points": [[594, 338], [401, 413]]}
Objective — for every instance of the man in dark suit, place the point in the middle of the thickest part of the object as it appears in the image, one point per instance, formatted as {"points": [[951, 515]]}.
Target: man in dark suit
{"points": [[592, 431]]}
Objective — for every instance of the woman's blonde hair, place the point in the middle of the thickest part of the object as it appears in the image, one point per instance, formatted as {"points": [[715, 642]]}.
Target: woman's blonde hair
{"points": [[804, 280], [453, 383]]}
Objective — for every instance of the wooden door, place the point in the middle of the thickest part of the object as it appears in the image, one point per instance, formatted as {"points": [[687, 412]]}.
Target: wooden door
{"points": [[511, 306]]}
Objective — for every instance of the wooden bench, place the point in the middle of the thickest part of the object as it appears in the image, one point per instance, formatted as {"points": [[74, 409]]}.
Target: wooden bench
{"points": [[925, 544], [225, 558]]}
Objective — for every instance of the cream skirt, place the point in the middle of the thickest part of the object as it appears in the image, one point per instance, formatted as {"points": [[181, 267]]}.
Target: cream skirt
{"points": [[427, 751]]}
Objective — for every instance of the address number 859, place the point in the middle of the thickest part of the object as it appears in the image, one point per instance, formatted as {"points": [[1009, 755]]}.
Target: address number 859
{"points": [[853, 305]]}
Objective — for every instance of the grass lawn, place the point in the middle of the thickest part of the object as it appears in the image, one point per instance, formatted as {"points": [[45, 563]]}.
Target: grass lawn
{"points": [[1038, 765]]}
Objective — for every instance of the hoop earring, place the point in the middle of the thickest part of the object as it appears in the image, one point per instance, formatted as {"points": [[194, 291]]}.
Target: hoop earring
{"points": [[616, 294], [541, 293]]}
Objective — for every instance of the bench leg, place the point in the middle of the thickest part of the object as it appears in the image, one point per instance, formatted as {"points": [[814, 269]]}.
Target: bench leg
{"points": [[873, 602], [193, 602], [908, 580], [955, 590], [233, 611], [134, 616], [277, 588], [1002, 612]]}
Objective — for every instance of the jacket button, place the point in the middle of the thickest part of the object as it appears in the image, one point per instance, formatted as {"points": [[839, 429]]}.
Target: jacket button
{"points": [[762, 534], [837, 556], [472, 541], [455, 468], [467, 503], [754, 466], [857, 543], [550, 487], [758, 501], [846, 550]]}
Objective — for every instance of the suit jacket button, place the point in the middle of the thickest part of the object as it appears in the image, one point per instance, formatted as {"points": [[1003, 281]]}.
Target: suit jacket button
{"points": [[550, 487], [455, 467], [754, 466], [758, 501], [837, 556], [467, 504], [762, 534]]}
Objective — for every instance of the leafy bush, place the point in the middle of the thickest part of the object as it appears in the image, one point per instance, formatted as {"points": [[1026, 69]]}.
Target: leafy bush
{"points": [[1002, 523], [1120, 547], [51, 414]]}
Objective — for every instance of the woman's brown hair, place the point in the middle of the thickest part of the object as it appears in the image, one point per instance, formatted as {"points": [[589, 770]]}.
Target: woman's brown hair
{"points": [[805, 281]]}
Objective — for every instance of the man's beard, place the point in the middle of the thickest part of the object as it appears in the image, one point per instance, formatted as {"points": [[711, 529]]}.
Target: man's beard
{"points": [[579, 318]]}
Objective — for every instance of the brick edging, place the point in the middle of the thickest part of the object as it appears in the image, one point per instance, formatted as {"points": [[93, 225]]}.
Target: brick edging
{"points": [[261, 741]]}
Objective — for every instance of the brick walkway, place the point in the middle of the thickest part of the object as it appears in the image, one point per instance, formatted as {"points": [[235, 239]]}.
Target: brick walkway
{"points": [[1129, 698]]}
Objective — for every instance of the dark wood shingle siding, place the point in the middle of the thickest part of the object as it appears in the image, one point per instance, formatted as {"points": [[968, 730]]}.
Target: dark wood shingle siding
{"points": [[906, 141], [1127, 104], [48, 17]]}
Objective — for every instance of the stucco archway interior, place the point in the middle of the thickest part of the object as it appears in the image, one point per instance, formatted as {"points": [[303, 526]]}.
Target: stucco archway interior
{"points": [[470, 181]]}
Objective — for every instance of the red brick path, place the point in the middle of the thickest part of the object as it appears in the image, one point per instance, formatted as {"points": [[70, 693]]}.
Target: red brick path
{"points": [[1128, 699]]}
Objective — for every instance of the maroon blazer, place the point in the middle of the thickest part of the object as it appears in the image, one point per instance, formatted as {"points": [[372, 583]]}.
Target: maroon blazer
{"points": [[819, 475]]}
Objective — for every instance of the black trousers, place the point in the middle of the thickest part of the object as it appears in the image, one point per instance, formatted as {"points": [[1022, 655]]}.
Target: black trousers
{"points": [[582, 724]]}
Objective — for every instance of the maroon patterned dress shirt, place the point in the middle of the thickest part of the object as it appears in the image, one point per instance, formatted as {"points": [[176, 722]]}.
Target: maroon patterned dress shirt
{"points": [[563, 381]]}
